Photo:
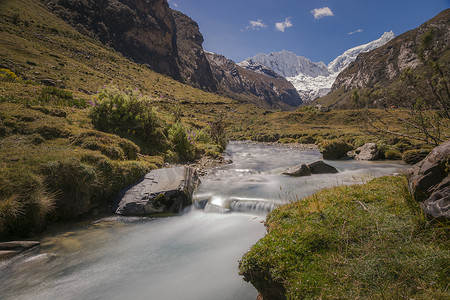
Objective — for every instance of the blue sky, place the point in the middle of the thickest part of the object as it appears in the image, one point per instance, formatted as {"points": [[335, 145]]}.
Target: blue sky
{"points": [[317, 29]]}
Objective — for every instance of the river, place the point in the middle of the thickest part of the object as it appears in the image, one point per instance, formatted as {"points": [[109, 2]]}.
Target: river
{"points": [[191, 256]]}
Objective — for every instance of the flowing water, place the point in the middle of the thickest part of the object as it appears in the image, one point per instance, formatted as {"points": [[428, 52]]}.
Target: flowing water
{"points": [[191, 256]]}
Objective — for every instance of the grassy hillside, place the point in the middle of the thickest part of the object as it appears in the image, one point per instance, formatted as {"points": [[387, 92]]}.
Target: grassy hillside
{"points": [[351, 242]]}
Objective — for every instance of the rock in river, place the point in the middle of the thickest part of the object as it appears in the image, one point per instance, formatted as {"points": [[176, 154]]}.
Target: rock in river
{"points": [[368, 151], [318, 167], [166, 190]]}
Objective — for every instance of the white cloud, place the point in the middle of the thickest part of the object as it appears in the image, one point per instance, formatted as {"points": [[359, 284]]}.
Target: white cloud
{"points": [[256, 25], [322, 12], [356, 31], [281, 26]]}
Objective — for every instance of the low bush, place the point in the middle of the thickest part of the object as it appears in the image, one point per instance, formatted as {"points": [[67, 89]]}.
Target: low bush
{"points": [[393, 154], [128, 114], [182, 142], [218, 133]]}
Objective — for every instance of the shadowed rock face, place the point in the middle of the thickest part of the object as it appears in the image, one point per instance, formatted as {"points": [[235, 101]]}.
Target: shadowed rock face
{"points": [[194, 65], [160, 191], [429, 182], [143, 30]]}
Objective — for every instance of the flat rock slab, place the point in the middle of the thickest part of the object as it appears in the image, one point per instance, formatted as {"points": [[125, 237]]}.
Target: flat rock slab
{"points": [[10, 249], [161, 191]]}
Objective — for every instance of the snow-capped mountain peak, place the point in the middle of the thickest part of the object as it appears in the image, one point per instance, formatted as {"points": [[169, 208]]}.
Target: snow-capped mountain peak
{"points": [[343, 60], [311, 79]]}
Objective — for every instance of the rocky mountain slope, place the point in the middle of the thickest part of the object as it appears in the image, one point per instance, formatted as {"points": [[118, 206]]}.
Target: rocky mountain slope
{"points": [[313, 79], [260, 85], [169, 42], [382, 67], [385, 64]]}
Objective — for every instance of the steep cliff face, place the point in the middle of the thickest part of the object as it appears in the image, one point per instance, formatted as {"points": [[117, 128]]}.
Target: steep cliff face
{"points": [[384, 65], [261, 86], [142, 30], [194, 65]]}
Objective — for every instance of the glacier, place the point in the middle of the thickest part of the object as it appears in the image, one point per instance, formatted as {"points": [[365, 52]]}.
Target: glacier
{"points": [[311, 79]]}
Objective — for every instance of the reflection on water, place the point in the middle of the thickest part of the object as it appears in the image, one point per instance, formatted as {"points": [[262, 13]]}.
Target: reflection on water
{"points": [[191, 256]]}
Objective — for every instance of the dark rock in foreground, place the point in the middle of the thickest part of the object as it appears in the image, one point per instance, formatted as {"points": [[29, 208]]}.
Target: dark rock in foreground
{"points": [[10, 249], [429, 182], [318, 167], [161, 191]]}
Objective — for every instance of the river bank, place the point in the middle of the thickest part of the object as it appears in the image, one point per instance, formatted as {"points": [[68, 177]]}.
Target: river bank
{"points": [[193, 255]]}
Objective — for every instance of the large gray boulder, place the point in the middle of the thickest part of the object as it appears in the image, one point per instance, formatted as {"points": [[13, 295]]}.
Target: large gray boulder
{"points": [[160, 191], [429, 182], [368, 151], [318, 167]]}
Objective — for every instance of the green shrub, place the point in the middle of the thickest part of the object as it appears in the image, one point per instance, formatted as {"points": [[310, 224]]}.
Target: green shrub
{"points": [[182, 142], [393, 154], [218, 133], [127, 113], [334, 149]]}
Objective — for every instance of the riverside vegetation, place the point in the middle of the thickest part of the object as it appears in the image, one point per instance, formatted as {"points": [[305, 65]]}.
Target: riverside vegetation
{"points": [[79, 122]]}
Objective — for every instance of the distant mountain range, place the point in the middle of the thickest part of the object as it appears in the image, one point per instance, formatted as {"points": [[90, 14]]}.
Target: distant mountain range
{"points": [[311, 79]]}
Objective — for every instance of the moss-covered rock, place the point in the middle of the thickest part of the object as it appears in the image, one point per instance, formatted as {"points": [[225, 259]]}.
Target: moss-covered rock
{"points": [[334, 149]]}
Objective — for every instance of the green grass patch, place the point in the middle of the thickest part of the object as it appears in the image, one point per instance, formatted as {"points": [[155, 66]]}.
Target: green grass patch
{"points": [[351, 242]]}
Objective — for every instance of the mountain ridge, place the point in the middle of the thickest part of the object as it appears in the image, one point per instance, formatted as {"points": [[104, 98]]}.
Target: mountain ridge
{"points": [[312, 79]]}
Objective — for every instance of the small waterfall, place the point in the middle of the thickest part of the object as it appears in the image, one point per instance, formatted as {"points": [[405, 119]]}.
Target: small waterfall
{"points": [[257, 206]]}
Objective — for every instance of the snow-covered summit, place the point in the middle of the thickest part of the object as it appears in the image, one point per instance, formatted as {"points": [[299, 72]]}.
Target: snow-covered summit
{"points": [[311, 79], [343, 60], [288, 64]]}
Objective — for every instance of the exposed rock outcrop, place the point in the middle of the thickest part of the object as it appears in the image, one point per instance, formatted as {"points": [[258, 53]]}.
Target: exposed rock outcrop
{"points": [[261, 86], [318, 167], [429, 182], [160, 191]]}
